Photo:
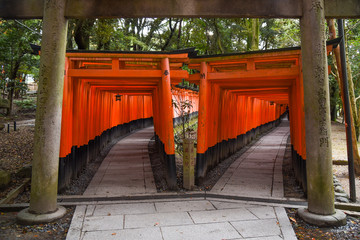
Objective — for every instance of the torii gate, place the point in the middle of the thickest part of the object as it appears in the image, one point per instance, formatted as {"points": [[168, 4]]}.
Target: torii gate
{"points": [[312, 15]]}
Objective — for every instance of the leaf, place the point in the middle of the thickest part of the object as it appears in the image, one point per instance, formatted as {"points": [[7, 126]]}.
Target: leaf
{"points": [[293, 219]]}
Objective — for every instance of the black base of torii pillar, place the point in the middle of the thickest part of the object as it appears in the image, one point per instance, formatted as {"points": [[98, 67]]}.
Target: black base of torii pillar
{"points": [[321, 210], [44, 181]]}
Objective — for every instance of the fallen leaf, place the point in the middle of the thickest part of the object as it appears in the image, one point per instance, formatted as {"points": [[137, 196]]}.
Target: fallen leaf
{"points": [[113, 234]]}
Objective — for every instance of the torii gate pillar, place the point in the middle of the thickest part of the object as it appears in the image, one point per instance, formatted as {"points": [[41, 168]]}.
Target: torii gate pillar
{"points": [[321, 210], [43, 200]]}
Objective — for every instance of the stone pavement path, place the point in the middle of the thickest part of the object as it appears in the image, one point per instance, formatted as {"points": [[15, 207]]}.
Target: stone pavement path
{"points": [[126, 170], [258, 171], [180, 219]]}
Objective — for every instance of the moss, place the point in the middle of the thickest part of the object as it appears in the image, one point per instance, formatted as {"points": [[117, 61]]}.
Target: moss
{"points": [[4, 179]]}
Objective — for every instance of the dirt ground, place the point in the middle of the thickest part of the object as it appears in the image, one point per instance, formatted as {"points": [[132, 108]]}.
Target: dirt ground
{"points": [[304, 231], [15, 153], [339, 151], [10, 230]]}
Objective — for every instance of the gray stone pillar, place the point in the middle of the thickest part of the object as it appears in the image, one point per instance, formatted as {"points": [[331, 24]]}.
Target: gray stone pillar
{"points": [[44, 182], [317, 117]]}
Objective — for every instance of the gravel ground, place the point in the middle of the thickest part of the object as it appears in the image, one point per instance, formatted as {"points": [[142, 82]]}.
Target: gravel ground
{"points": [[291, 187], [340, 153], [15, 153], [304, 231], [10, 230]]}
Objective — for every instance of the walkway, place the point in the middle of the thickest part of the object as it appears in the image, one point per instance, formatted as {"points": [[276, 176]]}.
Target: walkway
{"points": [[126, 170], [180, 219], [258, 172], [196, 218]]}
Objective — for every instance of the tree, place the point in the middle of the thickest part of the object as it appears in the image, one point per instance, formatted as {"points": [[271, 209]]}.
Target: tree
{"points": [[15, 58], [82, 32], [336, 72], [253, 27]]}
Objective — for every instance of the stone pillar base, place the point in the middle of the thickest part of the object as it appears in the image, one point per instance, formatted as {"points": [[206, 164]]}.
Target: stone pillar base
{"points": [[26, 218], [334, 220]]}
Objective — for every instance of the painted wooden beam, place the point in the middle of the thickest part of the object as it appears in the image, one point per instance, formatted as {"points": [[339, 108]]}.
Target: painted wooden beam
{"points": [[97, 73], [292, 72], [19, 9]]}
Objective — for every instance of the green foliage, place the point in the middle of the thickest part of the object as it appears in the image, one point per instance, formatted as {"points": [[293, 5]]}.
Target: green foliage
{"points": [[4, 103], [27, 104], [15, 38], [352, 28], [186, 126], [207, 35], [16, 62]]}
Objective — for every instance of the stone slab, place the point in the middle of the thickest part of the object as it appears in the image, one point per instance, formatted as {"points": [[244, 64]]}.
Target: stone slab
{"points": [[209, 231], [266, 238], [121, 209], [157, 219], [257, 228], [223, 215], [284, 223], [96, 223], [230, 205], [119, 191], [74, 232], [262, 212], [153, 233], [90, 210], [184, 206]]}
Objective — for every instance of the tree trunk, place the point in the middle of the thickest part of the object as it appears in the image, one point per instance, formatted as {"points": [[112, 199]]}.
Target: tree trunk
{"points": [[11, 86], [82, 33], [179, 35], [218, 37], [253, 34], [338, 73], [172, 31]]}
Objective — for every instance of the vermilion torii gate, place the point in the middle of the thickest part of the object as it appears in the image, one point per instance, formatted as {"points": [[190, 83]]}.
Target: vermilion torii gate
{"points": [[91, 116], [312, 15], [248, 92]]}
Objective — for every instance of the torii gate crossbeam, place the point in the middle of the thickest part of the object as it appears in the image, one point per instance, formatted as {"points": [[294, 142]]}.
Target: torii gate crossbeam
{"points": [[178, 8]]}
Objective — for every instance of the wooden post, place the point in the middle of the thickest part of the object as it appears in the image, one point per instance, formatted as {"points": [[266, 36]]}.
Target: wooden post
{"points": [[317, 119], [44, 182], [188, 163]]}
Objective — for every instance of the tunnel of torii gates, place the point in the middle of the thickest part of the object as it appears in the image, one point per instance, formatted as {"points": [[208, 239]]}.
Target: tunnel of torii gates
{"points": [[240, 96], [226, 82]]}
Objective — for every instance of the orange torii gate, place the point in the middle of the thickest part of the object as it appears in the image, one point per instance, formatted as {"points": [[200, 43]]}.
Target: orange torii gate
{"points": [[249, 93], [242, 95], [92, 117]]}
